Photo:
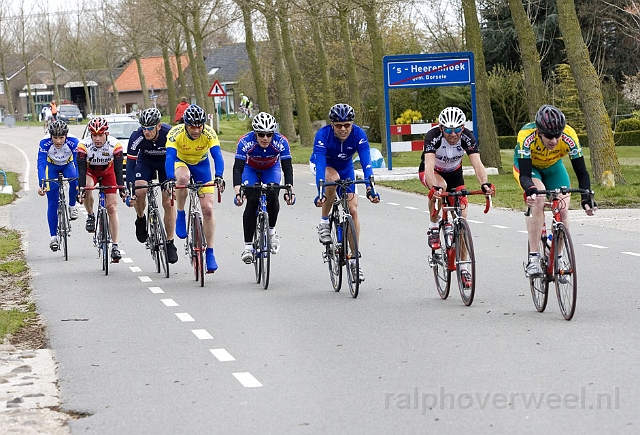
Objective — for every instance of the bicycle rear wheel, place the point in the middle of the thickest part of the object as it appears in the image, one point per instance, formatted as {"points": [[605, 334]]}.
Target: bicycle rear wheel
{"points": [[351, 256], [465, 264], [439, 261], [565, 273], [540, 284], [63, 229], [265, 254], [332, 254]]}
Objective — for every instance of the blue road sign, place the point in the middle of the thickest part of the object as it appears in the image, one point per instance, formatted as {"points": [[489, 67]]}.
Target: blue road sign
{"points": [[442, 72]]}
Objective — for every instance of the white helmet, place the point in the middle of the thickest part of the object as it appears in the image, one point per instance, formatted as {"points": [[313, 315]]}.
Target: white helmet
{"points": [[264, 122], [451, 117]]}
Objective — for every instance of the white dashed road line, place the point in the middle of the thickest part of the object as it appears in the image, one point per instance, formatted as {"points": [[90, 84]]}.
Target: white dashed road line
{"points": [[222, 355], [185, 317], [595, 246], [144, 278], [202, 334], [169, 302], [156, 290], [635, 254], [247, 379], [135, 269]]}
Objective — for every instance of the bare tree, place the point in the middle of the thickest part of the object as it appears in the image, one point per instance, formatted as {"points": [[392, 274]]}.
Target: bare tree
{"points": [[5, 48], [328, 96], [252, 53], [23, 31], [603, 153]]}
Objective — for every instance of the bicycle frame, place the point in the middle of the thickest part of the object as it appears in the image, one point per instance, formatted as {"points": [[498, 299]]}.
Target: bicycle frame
{"points": [[157, 236], [102, 235], [64, 223]]}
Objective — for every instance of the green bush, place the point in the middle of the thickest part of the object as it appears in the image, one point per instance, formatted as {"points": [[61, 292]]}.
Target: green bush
{"points": [[627, 139], [630, 124]]}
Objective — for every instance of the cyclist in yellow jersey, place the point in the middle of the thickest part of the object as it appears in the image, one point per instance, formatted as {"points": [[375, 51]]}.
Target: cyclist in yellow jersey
{"points": [[187, 147], [537, 165]]}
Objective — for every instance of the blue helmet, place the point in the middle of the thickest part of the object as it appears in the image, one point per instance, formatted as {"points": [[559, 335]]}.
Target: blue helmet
{"points": [[194, 115], [341, 112]]}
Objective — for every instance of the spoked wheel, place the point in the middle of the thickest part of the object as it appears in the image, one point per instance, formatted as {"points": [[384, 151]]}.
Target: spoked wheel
{"points": [[465, 262], [103, 223], [540, 284], [332, 253], [351, 256], [198, 248], [242, 115], [63, 229], [161, 247], [565, 273], [265, 257], [439, 261], [152, 239], [257, 248]]}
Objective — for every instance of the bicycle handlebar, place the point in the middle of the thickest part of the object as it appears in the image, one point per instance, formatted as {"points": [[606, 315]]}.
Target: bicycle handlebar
{"points": [[100, 187], [553, 193], [464, 192], [346, 183]]}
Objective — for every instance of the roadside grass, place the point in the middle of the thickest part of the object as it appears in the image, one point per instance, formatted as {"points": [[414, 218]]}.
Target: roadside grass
{"points": [[11, 266], [12, 179]]}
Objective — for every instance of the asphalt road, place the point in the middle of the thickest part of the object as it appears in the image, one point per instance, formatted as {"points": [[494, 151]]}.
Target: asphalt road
{"points": [[140, 353]]}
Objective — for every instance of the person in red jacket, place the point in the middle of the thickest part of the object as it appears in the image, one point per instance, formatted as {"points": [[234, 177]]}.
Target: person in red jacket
{"points": [[180, 108]]}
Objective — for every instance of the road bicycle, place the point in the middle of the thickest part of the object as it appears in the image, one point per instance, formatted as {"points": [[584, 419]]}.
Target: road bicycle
{"points": [[64, 223], [102, 235], [243, 112], [261, 240], [156, 234], [195, 244], [343, 249], [455, 253], [557, 257]]}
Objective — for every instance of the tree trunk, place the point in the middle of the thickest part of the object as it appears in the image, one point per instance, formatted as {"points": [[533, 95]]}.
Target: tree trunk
{"points": [[302, 100], [172, 98], [377, 52], [285, 109], [199, 59], [143, 82], [533, 83], [182, 78], [258, 79], [352, 73], [601, 145], [487, 136], [328, 96]]}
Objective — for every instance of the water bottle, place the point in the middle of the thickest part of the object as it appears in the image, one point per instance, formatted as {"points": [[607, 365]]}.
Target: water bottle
{"points": [[339, 233], [448, 234]]}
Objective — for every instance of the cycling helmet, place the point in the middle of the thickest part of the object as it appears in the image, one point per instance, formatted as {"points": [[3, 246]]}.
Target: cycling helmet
{"points": [[98, 125], [58, 128], [550, 120], [194, 115], [264, 122], [341, 112], [150, 117], [451, 117]]}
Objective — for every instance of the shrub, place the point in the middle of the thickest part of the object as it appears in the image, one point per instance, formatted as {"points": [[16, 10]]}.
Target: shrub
{"points": [[630, 124]]}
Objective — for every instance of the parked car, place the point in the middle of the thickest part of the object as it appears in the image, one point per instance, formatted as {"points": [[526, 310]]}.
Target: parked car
{"points": [[69, 113], [120, 126]]}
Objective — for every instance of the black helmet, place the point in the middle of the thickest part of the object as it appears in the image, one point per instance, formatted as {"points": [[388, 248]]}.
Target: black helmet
{"points": [[150, 117], [341, 112], [194, 115], [550, 121], [58, 128]]}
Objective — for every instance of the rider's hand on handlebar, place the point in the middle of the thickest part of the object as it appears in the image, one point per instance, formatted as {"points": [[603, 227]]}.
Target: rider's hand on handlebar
{"points": [[220, 183], [488, 188], [590, 207], [238, 200], [434, 192], [318, 201], [289, 196], [372, 195], [42, 191]]}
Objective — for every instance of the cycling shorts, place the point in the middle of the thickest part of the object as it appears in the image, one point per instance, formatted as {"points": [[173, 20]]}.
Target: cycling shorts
{"points": [[345, 173], [108, 178], [200, 172], [553, 177], [148, 169]]}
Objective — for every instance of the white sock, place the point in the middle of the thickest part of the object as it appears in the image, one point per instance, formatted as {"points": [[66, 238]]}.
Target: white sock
{"points": [[272, 231], [324, 220]]}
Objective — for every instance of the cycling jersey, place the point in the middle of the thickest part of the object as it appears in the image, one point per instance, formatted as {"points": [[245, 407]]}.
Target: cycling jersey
{"points": [[142, 153], [262, 160], [180, 147], [329, 151], [530, 146], [448, 157], [100, 162], [48, 153]]}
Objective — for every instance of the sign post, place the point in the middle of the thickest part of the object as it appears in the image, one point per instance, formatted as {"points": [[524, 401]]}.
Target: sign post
{"points": [[217, 92], [426, 70]]}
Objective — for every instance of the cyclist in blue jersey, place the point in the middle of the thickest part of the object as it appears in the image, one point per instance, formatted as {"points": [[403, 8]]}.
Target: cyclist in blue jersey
{"points": [[146, 155], [57, 154], [333, 148], [263, 155]]}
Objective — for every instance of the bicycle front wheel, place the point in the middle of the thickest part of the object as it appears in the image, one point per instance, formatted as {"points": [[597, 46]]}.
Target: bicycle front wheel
{"points": [[257, 248], [265, 257], [439, 261], [565, 273], [540, 284], [198, 249], [160, 245], [351, 256], [332, 253], [465, 262], [103, 222], [63, 228], [242, 115]]}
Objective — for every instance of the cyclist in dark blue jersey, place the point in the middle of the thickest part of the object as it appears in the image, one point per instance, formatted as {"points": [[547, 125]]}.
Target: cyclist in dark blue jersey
{"points": [[146, 155], [333, 149]]}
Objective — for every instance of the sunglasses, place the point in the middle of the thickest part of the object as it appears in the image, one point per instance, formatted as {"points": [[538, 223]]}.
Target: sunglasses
{"points": [[452, 130], [552, 136], [260, 134], [195, 126], [346, 125], [149, 128]]}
